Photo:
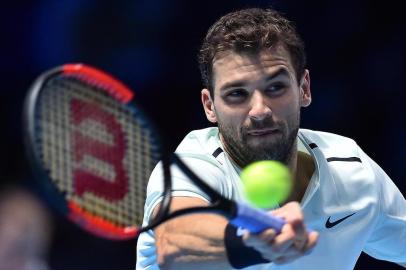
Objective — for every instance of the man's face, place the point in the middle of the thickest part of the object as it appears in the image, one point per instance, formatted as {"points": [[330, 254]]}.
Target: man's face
{"points": [[256, 104]]}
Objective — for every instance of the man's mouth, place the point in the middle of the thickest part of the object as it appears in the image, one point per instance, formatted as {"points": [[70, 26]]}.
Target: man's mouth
{"points": [[261, 132]]}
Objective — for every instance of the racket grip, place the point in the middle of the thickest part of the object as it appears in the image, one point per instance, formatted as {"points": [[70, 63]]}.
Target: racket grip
{"points": [[255, 220]]}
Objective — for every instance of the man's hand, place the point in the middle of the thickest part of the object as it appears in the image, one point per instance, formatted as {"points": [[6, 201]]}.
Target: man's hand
{"points": [[291, 243]]}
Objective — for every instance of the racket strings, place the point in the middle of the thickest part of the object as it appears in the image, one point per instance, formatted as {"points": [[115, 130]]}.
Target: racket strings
{"points": [[85, 133]]}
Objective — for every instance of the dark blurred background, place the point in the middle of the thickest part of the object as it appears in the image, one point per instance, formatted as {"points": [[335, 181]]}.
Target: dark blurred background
{"points": [[356, 56]]}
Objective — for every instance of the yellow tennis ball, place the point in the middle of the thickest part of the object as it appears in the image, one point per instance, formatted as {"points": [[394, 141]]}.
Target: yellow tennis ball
{"points": [[266, 183]]}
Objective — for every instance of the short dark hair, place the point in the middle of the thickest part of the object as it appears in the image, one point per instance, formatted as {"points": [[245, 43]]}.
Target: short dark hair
{"points": [[250, 31]]}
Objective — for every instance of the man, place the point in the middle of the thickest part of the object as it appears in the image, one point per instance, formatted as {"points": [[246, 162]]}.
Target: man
{"points": [[253, 67]]}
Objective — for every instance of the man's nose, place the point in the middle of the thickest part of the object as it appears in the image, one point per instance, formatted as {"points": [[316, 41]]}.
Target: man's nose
{"points": [[259, 106]]}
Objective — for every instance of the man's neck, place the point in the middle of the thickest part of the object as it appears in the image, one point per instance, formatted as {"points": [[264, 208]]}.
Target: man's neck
{"points": [[302, 168]]}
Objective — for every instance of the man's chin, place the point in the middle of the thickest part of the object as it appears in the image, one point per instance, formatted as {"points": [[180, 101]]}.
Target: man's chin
{"points": [[265, 152], [262, 144]]}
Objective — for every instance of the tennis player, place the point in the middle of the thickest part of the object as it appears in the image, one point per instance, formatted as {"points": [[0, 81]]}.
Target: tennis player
{"points": [[253, 68]]}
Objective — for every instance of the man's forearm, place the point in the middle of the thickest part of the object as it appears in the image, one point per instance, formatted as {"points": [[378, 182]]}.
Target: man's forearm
{"points": [[193, 241], [196, 245]]}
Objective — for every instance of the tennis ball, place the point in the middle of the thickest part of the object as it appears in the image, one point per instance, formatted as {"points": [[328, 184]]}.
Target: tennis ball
{"points": [[266, 183]]}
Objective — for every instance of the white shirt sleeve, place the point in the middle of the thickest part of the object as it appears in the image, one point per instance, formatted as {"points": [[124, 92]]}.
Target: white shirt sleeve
{"points": [[205, 168], [388, 239]]}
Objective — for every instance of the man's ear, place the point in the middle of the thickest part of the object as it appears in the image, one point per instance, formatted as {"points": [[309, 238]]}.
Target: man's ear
{"points": [[208, 105], [305, 93]]}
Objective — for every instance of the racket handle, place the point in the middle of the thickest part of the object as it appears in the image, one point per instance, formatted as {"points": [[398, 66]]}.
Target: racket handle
{"points": [[255, 220]]}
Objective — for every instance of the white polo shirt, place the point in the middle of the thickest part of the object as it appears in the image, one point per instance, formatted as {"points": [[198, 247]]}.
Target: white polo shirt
{"points": [[350, 200]]}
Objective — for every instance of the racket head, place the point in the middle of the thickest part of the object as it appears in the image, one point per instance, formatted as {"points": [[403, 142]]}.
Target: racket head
{"points": [[92, 149]]}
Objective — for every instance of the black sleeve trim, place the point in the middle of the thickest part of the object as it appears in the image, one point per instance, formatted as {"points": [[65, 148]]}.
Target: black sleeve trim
{"points": [[217, 152], [313, 145], [348, 159]]}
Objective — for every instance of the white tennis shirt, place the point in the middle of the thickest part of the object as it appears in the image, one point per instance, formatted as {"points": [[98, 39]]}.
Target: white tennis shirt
{"points": [[350, 200]]}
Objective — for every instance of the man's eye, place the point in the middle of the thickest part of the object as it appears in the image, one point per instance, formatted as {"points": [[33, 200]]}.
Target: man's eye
{"points": [[237, 93], [236, 96], [275, 88]]}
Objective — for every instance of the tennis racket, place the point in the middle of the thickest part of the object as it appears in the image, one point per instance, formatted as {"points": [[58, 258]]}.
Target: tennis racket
{"points": [[92, 149]]}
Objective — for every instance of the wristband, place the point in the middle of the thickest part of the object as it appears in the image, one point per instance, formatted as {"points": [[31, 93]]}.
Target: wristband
{"points": [[238, 254]]}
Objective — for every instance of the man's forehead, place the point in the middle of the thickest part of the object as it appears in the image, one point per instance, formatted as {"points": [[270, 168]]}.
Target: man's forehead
{"points": [[231, 64], [275, 52]]}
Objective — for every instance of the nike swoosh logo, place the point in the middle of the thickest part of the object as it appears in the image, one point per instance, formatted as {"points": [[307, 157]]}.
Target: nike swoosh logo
{"points": [[330, 224]]}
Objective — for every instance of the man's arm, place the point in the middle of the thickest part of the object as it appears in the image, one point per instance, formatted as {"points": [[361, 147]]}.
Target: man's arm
{"points": [[191, 240], [197, 241]]}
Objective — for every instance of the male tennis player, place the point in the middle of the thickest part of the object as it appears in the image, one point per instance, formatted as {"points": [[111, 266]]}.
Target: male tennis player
{"points": [[253, 67]]}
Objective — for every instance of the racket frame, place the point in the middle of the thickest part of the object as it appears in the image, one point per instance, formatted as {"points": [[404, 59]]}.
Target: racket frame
{"points": [[44, 186]]}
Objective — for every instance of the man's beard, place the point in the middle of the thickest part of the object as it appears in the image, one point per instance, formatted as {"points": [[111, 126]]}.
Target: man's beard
{"points": [[243, 153]]}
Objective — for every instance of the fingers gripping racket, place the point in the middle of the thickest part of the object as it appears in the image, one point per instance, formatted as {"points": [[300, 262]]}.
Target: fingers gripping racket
{"points": [[93, 150]]}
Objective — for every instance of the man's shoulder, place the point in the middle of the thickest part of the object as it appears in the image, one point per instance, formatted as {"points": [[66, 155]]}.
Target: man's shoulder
{"points": [[199, 142], [323, 137], [329, 143], [344, 166]]}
